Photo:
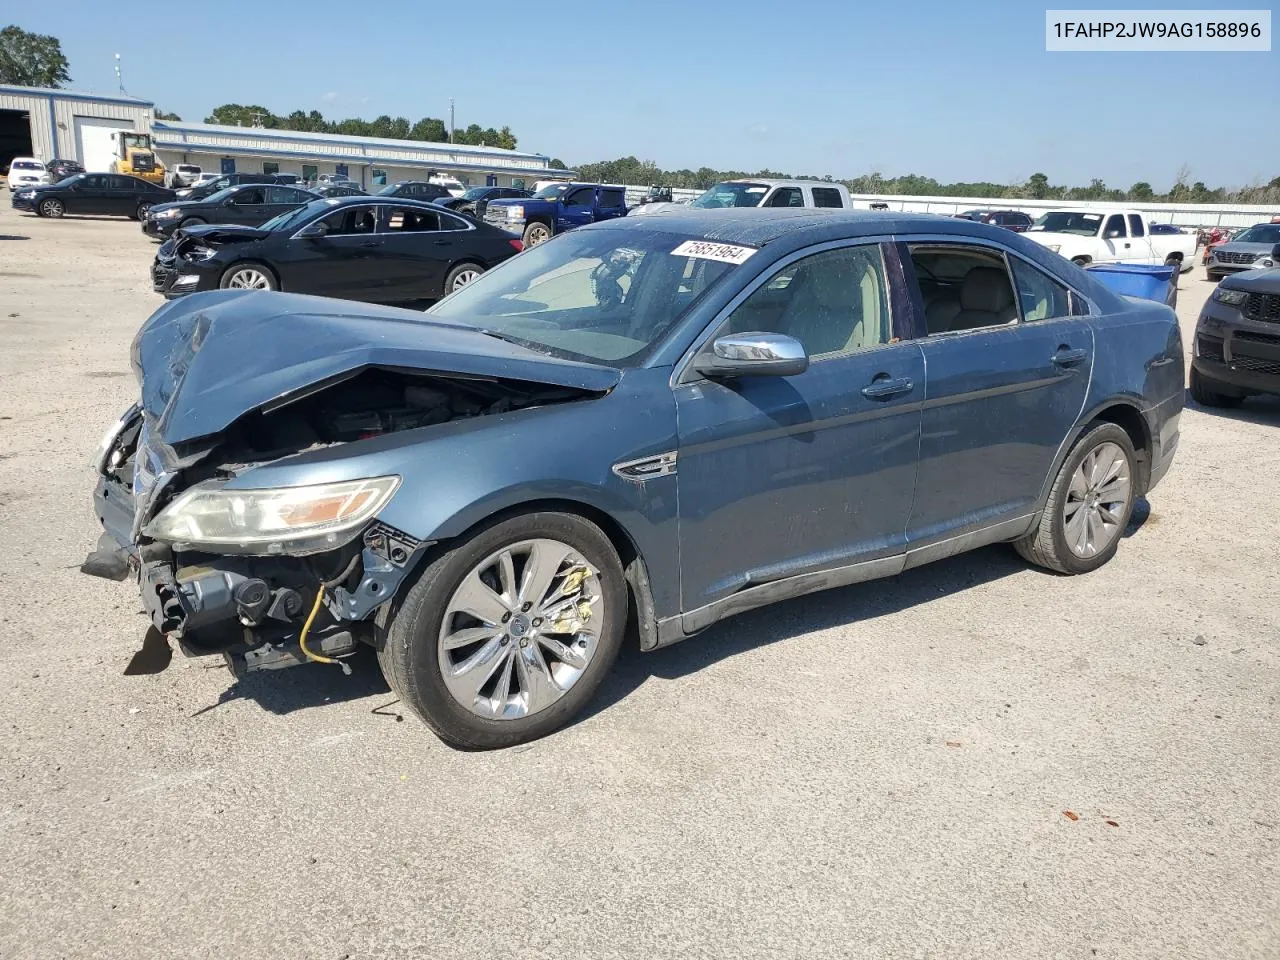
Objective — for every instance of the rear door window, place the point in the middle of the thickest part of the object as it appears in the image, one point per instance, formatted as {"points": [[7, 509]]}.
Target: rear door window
{"points": [[612, 198], [786, 197], [1040, 296], [827, 197], [1136, 228], [400, 220]]}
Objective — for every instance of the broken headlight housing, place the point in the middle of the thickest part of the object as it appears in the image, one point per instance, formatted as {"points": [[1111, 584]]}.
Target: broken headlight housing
{"points": [[1231, 297], [290, 521]]}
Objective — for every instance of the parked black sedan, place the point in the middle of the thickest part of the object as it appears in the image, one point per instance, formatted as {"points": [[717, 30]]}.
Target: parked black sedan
{"points": [[476, 199], [105, 194], [248, 205], [338, 190], [382, 250], [415, 190], [59, 170]]}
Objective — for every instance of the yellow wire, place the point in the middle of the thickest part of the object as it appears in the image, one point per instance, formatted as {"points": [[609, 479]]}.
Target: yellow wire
{"points": [[306, 627]]}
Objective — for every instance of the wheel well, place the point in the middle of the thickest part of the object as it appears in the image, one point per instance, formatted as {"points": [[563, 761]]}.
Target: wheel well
{"points": [[1082, 259], [1175, 255], [642, 623], [1132, 422]]}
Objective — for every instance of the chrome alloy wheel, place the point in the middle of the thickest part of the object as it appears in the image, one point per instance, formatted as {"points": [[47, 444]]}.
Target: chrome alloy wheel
{"points": [[520, 629], [1097, 500], [463, 277], [249, 279]]}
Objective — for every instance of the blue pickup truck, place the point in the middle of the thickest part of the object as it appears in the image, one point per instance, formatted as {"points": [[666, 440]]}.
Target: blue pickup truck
{"points": [[556, 208]]}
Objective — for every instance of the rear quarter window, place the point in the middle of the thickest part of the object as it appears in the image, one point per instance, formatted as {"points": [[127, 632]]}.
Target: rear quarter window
{"points": [[827, 197]]}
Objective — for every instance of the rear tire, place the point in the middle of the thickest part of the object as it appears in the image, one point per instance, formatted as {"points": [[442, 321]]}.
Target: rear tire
{"points": [[1206, 396], [460, 276], [1212, 277], [1088, 506], [51, 207], [143, 209], [414, 653]]}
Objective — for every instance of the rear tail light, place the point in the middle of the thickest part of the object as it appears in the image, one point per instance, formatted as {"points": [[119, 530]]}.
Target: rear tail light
{"points": [[518, 244]]}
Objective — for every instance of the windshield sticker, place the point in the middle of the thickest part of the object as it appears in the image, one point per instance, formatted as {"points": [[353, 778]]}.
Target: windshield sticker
{"points": [[706, 250]]}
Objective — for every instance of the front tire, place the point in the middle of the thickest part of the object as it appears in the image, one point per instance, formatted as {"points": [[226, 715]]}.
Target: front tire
{"points": [[460, 276], [536, 233], [52, 208], [507, 635], [248, 276], [1088, 506], [1206, 396], [191, 222]]}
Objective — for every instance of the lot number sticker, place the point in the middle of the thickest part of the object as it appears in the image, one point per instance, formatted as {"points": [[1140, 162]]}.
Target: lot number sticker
{"points": [[706, 250]]}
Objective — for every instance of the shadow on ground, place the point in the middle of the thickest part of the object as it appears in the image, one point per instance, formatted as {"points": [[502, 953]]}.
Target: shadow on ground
{"points": [[793, 618], [1264, 410]]}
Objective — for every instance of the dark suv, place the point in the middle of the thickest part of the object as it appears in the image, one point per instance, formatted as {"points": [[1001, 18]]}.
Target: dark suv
{"points": [[1014, 220], [59, 170], [1237, 349], [475, 200]]}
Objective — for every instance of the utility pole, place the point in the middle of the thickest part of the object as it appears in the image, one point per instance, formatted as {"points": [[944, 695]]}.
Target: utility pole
{"points": [[119, 76], [451, 119]]}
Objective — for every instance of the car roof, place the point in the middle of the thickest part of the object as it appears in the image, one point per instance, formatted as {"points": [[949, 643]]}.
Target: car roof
{"points": [[773, 182], [755, 226], [364, 198]]}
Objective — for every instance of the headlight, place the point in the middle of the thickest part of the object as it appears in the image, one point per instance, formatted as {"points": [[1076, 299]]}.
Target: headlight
{"points": [[26, 194], [283, 520], [515, 213], [1232, 297], [199, 253], [1055, 247], [166, 214]]}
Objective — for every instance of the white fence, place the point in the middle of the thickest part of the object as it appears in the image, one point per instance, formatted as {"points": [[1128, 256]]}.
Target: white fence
{"points": [[1183, 214]]}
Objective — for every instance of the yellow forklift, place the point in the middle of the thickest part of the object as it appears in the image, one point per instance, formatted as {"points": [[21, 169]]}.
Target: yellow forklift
{"points": [[136, 157]]}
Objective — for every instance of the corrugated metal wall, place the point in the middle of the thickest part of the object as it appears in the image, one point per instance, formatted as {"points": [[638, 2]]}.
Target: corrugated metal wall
{"points": [[53, 126]]}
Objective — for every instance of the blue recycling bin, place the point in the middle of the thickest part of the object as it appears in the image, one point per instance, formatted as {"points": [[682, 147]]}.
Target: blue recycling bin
{"points": [[1149, 281]]}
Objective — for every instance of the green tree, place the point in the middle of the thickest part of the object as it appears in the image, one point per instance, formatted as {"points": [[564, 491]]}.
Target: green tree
{"points": [[429, 129], [237, 115], [1038, 186], [31, 59], [164, 115], [1141, 191], [557, 164]]}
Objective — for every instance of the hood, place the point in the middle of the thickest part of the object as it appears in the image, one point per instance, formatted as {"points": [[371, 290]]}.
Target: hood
{"points": [[656, 206], [513, 202], [222, 233], [1254, 281], [1237, 246], [207, 359]]}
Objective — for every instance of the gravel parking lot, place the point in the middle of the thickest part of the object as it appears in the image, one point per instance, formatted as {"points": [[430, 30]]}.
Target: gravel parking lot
{"points": [[976, 759]]}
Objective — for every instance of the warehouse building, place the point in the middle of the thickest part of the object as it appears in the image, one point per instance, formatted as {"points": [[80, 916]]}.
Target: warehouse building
{"points": [[62, 124], [370, 161], [48, 124]]}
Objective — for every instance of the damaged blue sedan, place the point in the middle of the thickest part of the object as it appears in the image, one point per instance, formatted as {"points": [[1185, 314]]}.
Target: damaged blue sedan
{"points": [[634, 430]]}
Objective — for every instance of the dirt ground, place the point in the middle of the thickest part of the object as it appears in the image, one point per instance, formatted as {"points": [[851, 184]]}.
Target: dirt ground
{"points": [[975, 759]]}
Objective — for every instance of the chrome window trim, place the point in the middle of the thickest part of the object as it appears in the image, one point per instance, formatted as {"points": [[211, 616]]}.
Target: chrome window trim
{"points": [[682, 367]]}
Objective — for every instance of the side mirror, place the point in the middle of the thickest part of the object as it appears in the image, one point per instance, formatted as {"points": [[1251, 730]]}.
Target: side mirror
{"points": [[753, 355], [1112, 235], [312, 231]]}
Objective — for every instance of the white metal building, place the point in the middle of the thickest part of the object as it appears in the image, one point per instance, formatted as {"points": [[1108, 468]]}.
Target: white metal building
{"points": [[370, 161], [61, 124]]}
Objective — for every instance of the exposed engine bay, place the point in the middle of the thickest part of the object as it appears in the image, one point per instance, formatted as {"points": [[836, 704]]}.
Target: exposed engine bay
{"points": [[272, 611]]}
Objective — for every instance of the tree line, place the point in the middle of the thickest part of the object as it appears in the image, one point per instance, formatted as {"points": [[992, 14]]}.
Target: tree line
{"points": [[431, 129], [629, 170]]}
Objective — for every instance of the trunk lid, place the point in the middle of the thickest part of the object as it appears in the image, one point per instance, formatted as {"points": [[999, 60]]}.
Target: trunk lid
{"points": [[208, 359]]}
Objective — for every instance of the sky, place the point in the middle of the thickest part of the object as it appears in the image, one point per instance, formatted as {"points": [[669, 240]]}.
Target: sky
{"points": [[954, 91]]}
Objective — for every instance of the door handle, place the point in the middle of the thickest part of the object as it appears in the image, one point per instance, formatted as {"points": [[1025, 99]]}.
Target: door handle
{"points": [[1126, 246], [1066, 357], [882, 388]]}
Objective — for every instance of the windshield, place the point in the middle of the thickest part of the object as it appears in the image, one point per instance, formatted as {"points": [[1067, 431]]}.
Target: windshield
{"points": [[476, 193], [1068, 221], [26, 165], [732, 195], [1260, 233], [601, 296], [389, 190], [67, 181], [219, 195], [292, 219], [551, 192]]}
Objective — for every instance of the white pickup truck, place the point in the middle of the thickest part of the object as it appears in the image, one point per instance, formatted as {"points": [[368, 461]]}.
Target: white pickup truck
{"points": [[1109, 235], [758, 192]]}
